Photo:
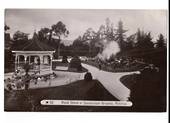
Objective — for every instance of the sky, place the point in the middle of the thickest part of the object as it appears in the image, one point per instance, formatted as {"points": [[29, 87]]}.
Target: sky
{"points": [[78, 21]]}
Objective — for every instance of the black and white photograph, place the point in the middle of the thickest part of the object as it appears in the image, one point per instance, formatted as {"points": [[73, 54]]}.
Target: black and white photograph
{"points": [[85, 60]]}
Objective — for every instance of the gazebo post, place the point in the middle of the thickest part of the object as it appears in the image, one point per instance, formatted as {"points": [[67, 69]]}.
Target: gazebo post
{"points": [[41, 61], [50, 63], [25, 59], [16, 62], [29, 59]]}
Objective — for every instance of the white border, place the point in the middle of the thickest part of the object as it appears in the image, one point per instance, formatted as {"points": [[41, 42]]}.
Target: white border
{"points": [[87, 4], [77, 117]]}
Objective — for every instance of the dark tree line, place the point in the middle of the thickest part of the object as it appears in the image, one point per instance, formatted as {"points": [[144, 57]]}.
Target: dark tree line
{"points": [[161, 42], [8, 53], [91, 42], [51, 36]]}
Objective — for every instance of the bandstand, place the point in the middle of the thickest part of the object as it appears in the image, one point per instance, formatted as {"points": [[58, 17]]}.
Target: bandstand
{"points": [[35, 53]]}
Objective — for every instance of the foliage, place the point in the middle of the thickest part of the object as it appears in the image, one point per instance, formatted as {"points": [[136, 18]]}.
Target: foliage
{"points": [[130, 44], [44, 34], [59, 29], [160, 42], [89, 37], [9, 65], [88, 77], [120, 36], [52, 36], [6, 27], [80, 47], [75, 63], [64, 59], [144, 40], [149, 90], [20, 38], [92, 42]]}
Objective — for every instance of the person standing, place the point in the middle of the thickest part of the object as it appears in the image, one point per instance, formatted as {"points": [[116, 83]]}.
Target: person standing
{"points": [[38, 63], [27, 81]]}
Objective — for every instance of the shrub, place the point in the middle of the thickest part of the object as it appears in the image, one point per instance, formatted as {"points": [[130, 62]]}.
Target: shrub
{"points": [[88, 76], [64, 59], [75, 63]]}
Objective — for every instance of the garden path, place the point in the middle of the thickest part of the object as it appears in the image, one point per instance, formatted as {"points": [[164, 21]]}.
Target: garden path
{"points": [[111, 81]]}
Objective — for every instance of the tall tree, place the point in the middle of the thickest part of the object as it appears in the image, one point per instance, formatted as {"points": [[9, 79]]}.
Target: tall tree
{"points": [[59, 30], [130, 43], [106, 32], [101, 32], [120, 35], [89, 37], [8, 44], [7, 37], [144, 40], [109, 31], [160, 42], [148, 41]]}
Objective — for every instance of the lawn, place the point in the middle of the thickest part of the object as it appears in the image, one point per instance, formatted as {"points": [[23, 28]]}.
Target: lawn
{"points": [[148, 91], [129, 80], [23, 100]]}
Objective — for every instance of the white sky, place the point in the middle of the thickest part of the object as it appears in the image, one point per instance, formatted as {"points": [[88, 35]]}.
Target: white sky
{"points": [[77, 21]]}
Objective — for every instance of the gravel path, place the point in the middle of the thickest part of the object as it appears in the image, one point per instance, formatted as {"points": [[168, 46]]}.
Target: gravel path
{"points": [[111, 81]]}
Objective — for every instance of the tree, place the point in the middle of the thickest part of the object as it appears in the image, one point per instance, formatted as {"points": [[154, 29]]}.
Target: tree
{"points": [[75, 64], [101, 32], [8, 53], [160, 42], [59, 30], [7, 38], [80, 47], [106, 32], [109, 31], [89, 37], [120, 36], [20, 38], [148, 41], [52, 36], [130, 44], [144, 40], [44, 34], [104, 35], [6, 27]]}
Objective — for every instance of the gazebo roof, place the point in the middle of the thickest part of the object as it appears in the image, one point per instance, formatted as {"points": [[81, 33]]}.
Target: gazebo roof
{"points": [[34, 45]]}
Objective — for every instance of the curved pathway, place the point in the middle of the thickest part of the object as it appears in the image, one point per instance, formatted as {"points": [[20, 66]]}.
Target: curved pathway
{"points": [[111, 81]]}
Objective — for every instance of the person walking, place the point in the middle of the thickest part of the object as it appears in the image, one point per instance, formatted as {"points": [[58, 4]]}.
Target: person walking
{"points": [[100, 66]]}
